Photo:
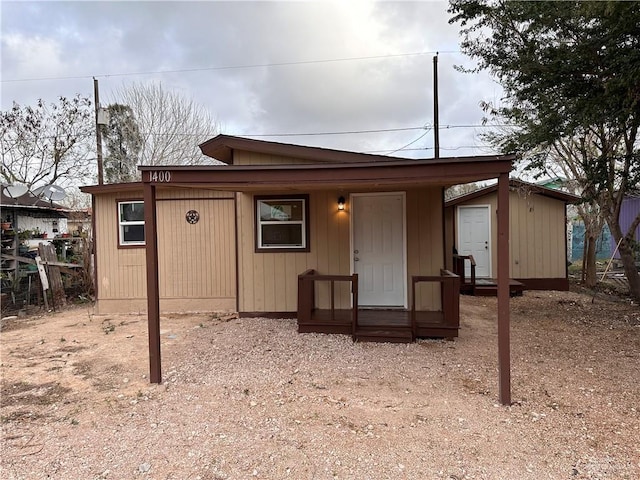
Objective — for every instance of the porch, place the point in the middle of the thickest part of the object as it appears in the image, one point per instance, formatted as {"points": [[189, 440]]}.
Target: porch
{"points": [[379, 325], [472, 285]]}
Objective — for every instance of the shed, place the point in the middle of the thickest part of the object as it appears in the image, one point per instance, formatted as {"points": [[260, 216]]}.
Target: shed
{"points": [[538, 248]]}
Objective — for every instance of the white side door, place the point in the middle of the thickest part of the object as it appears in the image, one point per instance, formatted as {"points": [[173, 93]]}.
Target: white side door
{"points": [[474, 237], [379, 248]]}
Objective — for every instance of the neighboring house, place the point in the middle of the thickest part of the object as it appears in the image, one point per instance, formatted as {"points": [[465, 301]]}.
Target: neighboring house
{"points": [[629, 210], [27, 213], [79, 222], [537, 231]]}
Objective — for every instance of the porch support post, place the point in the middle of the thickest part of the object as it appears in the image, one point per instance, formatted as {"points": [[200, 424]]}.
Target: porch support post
{"points": [[153, 290], [504, 354]]}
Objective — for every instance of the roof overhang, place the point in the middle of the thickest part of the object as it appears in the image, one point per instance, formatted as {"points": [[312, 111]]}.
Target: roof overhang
{"points": [[112, 188], [222, 148], [388, 174], [519, 185]]}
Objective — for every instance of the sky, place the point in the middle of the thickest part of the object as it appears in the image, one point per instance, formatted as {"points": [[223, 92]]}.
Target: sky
{"points": [[362, 71]]}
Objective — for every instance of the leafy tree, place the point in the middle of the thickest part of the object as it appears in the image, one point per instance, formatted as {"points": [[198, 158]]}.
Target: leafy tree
{"points": [[123, 144], [171, 126], [47, 144], [569, 71]]}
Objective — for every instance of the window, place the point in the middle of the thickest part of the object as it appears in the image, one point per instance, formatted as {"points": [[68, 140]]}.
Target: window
{"points": [[281, 223], [131, 223]]}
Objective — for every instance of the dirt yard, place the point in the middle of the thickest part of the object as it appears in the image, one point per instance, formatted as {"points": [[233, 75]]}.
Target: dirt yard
{"points": [[251, 398]]}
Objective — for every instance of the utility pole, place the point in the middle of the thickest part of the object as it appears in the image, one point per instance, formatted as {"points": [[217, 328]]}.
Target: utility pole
{"points": [[436, 121], [98, 133]]}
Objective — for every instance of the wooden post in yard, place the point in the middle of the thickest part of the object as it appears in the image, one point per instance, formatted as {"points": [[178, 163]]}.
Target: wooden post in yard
{"points": [[504, 347], [153, 290]]}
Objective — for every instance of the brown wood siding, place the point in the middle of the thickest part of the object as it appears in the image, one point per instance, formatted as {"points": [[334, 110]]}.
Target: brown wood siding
{"points": [[196, 262], [121, 272], [269, 280], [425, 243], [254, 158], [537, 243]]}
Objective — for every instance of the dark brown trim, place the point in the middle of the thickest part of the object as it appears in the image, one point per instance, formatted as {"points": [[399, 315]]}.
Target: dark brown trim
{"points": [[112, 188], [153, 289], [237, 243], [396, 174], [559, 284], [192, 198], [274, 315], [256, 224], [444, 228], [504, 342]]}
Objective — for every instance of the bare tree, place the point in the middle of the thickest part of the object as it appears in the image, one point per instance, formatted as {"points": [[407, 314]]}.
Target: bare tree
{"points": [[47, 143], [570, 156], [170, 126]]}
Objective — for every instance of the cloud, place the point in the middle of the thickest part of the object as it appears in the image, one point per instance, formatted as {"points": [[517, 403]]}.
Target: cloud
{"points": [[110, 39]]}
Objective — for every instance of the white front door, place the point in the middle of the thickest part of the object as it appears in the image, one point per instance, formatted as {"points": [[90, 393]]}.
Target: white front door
{"points": [[379, 248], [474, 237]]}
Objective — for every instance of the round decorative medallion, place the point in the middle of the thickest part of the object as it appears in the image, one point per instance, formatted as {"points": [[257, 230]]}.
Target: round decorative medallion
{"points": [[192, 217]]}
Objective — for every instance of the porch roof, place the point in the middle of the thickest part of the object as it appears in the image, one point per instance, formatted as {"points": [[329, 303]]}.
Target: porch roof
{"points": [[333, 169], [392, 173]]}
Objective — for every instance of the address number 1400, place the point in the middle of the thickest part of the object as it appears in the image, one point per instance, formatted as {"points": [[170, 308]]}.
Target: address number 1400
{"points": [[159, 176]]}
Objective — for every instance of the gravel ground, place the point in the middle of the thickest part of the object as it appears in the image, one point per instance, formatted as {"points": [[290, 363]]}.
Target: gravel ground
{"points": [[251, 398]]}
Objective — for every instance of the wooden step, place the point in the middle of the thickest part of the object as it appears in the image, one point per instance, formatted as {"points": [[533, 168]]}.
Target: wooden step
{"points": [[381, 334]]}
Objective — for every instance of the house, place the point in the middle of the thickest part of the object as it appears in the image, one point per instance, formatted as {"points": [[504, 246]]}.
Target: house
{"points": [[343, 241], [537, 233], [30, 212], [23, 217]]}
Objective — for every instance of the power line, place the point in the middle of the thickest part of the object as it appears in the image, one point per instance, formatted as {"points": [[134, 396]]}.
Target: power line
{"points": [[228, 67], [427, 128], [389, 152], [410, 143], [347, 132]]}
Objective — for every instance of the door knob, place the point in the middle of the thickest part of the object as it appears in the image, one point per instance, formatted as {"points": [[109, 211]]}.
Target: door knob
{"points": [[355, 259]]}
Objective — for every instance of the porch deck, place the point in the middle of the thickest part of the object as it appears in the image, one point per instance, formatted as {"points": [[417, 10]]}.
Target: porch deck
{"points": [[488, 287], [473, 285], [379, 325]]}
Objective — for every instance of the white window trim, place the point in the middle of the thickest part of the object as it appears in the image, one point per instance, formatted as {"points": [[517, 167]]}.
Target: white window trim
{"points": [[302, 223], [122, 224]]}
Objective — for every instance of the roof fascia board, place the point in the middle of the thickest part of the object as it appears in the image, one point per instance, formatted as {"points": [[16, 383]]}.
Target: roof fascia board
{"points": [[514, 184], [396, 173], [222, 147]]}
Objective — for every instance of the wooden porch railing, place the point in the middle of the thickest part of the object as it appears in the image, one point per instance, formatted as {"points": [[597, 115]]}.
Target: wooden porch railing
{"points": [[306, 296], [449, 297], [459, 269]]}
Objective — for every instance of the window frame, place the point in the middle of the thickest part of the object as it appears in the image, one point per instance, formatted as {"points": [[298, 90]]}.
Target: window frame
{"points": [[258, 223], [121, 224]]}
